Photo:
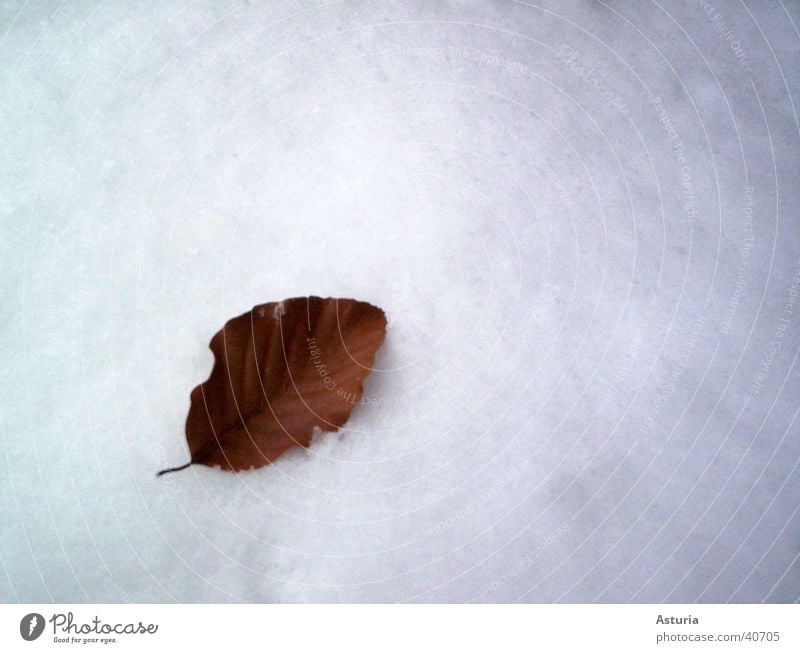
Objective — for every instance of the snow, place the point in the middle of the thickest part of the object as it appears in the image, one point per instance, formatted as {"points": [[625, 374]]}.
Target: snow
{"points": [[580, 219]]}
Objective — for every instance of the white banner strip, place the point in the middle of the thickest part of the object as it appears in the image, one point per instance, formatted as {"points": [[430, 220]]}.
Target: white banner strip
{"points": [[401, 628]]}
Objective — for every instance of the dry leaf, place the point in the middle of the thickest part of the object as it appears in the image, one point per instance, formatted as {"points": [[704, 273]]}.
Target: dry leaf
{"points": [[281, 371]]}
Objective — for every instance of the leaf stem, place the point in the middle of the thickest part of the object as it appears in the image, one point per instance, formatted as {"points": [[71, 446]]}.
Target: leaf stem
{"points": [[174, 469]]}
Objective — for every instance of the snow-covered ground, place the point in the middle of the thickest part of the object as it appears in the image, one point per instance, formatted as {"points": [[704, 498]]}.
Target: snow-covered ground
{"points": [[580, 217]]}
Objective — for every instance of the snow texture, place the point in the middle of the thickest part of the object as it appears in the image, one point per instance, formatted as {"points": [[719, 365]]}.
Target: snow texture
{"points": [[579, 217]]}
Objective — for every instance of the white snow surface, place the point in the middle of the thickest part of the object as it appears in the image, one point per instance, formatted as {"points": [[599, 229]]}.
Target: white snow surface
{"points": [[580, 218]]}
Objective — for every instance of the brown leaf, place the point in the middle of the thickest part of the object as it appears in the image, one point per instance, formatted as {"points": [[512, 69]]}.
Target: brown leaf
{"points": [[281, 370]]}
